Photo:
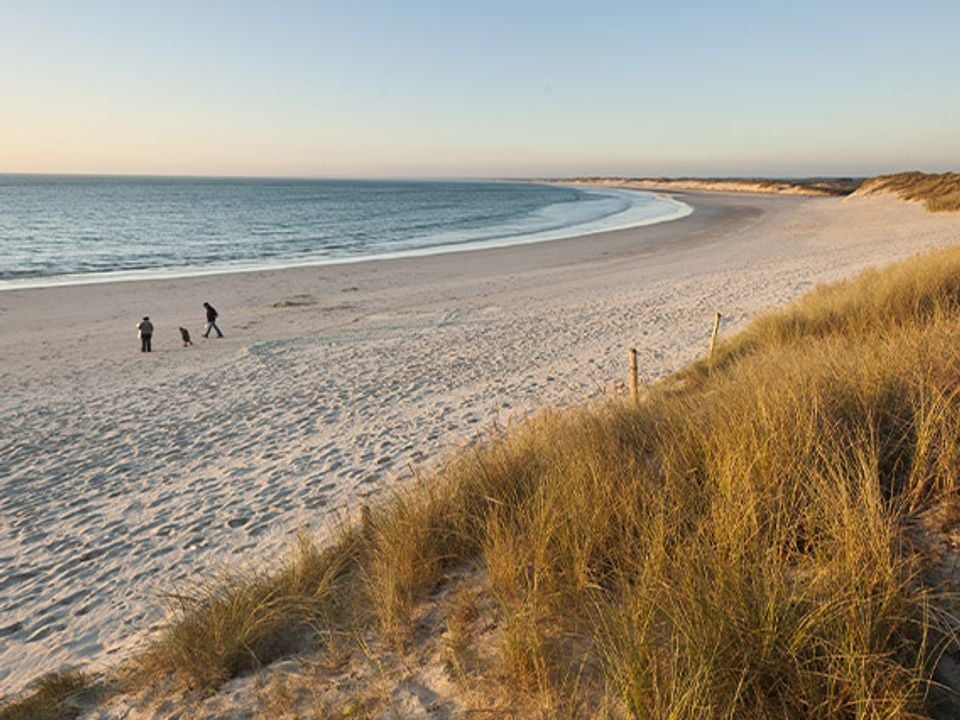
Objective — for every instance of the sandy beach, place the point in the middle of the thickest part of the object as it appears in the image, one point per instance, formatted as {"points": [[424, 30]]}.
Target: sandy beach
{"points": [[125, 476]]}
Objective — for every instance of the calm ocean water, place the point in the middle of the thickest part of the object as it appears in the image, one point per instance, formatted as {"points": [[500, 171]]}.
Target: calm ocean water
{"points": [[57, 229]]}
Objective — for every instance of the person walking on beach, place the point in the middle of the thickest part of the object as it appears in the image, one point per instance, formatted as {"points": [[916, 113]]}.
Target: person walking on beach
{"points": [[211, 320], [145, 329]]}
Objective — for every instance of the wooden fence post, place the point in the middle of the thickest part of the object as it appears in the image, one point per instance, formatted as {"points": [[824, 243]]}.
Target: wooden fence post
{"points": [[713, 337], [634, 391]]}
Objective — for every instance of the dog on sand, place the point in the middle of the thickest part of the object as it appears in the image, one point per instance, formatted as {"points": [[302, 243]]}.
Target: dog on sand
{"points": [[185, 334]]}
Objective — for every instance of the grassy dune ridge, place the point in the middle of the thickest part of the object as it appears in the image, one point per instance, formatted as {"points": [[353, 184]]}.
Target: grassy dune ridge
{"points": [[939, 192], [792, 186], [743, 543]]}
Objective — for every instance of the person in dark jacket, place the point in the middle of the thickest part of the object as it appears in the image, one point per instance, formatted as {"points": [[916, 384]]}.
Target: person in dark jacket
{"points": [[212, 315], [145, 330]]}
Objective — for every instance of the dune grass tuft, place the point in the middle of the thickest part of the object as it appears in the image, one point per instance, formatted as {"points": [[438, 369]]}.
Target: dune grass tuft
{"points": [[51, 697], [241, 621]]}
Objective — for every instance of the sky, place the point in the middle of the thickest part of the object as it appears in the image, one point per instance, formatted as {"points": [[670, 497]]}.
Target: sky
{"points": [[491, 88]]}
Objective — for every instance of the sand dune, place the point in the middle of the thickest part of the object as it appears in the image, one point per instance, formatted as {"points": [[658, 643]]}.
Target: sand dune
{"points": [[125, 476]]}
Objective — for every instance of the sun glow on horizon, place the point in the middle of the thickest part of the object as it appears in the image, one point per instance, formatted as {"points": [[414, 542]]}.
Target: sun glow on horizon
{"points": [[492, 91]]}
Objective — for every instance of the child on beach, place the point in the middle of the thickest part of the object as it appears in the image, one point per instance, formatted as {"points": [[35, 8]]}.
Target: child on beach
{"points": [[145, 330], [211, 320]]}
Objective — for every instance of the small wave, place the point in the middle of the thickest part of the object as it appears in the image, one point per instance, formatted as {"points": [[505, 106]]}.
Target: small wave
{"points": [[604, 210]]}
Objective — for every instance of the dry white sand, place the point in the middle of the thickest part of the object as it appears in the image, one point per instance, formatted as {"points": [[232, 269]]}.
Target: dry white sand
{"points": [[124, 476]]}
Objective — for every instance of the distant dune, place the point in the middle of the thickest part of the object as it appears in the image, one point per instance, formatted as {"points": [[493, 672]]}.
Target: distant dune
{"points": [[772, 186], [940, 192]]}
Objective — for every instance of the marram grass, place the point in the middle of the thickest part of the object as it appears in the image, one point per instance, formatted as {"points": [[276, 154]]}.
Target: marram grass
{"points": [[939, 192], [736, 546], [54, 696]]}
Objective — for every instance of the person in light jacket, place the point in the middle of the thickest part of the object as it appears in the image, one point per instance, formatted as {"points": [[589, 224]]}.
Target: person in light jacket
{"points": [[145, 330], [211, 320]]}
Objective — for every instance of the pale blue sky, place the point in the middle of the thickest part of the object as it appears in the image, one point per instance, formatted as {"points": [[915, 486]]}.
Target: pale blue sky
{"points": [[491, 88]]}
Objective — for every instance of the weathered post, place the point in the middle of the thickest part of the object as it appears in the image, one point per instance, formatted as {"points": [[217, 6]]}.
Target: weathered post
{"points": [[713, 337], [634, 391]]}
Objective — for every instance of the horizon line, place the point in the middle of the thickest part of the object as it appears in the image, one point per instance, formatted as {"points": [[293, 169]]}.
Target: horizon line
{"points": [[449, 178]]}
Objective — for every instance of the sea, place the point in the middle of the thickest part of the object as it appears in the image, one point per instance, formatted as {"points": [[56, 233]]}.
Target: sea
{"points": [[57, 229]]}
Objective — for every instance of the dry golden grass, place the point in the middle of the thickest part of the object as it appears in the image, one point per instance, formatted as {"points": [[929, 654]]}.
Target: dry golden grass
{"points": [[875, 305], [940, 192], [241, 621], [460, 611], [733, 547], [51, 697]]}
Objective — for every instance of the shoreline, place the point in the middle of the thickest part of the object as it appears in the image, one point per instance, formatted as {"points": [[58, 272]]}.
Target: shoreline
{"points": [[578, 230], [131, 474]]}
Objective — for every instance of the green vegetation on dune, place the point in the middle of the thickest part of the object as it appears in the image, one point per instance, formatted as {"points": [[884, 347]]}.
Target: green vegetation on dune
{"points": [[740, 545]]}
